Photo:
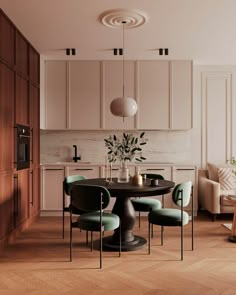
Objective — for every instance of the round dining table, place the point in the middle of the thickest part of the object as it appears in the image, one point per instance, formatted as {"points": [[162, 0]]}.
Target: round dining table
{"points": [[123, 207]]}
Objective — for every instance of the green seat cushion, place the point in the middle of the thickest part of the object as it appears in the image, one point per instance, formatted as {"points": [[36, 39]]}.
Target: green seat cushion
{"points": [[168, 217], [146, 204], [91, 221]]}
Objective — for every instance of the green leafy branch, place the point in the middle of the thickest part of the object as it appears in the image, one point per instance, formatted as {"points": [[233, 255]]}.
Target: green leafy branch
{"points": [[127, 148]]}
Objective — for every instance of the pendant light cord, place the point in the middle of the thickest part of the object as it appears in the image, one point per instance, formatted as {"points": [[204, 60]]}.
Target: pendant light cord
{"points": [[123, 22]]}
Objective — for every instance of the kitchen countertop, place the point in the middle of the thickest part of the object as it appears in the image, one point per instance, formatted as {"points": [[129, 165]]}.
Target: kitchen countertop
{"points": [[82, 163]]}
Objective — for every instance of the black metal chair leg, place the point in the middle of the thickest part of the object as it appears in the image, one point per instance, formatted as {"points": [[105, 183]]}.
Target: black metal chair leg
{"points": [[182, 242], [162, 235], [63, 224], [100, 249], [70, 237], [139, 221], [149, 238], [91, 241], [87, 238], [120, 242]]}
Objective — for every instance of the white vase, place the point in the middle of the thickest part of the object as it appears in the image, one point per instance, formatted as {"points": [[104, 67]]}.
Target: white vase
{"points": [[123, 173]]}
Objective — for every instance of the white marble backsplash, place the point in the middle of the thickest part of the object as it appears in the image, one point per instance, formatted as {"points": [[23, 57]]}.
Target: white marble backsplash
{"points": [[162, 146]]}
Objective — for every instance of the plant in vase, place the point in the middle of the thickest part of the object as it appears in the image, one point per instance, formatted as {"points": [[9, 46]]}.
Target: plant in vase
{"points": [[125, 149]]}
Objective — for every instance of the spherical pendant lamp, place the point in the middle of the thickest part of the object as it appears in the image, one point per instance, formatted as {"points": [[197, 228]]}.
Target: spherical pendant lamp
{"points": [[123, 107]]}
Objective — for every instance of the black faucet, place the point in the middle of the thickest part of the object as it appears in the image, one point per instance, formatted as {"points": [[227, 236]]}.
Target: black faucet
{"points": [[76, 158]]}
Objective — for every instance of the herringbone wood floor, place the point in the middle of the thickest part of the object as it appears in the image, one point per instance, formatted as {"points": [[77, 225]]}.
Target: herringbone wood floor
{"points": [[38, 263]]}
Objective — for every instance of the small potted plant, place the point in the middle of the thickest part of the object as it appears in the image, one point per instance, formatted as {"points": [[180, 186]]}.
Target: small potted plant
{"points": [[125, 149]]}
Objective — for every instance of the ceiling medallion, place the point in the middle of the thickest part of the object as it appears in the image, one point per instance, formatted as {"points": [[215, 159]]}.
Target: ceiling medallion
{"points": [[116, 17]]}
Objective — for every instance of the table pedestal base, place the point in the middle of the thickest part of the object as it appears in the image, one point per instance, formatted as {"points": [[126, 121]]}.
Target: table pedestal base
{"points": [[110, 245]]}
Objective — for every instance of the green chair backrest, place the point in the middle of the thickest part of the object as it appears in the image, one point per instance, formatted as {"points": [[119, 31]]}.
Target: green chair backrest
{"points": [[88, 197], [153, 176], [69, 179], [183, 189]]}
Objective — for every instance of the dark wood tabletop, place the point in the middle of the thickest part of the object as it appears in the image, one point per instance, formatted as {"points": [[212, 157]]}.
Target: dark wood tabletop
{"points": [[125, 190]]}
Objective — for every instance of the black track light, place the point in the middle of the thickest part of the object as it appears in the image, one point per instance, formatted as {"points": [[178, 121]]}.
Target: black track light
{"points": [[163, 51], [115, 51], [70, 51], [120, 51]]}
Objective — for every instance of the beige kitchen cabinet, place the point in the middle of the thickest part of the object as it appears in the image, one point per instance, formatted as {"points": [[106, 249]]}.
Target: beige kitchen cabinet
{"points": [[84, 95], [87, 171], [153, 95], [164, 95], [187, 173], [112, 80], [52, 178], [56, 95], [181, 95]]}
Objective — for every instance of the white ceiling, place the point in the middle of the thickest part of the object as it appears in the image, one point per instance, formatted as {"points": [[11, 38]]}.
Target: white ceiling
{"points": [[201, 30]]}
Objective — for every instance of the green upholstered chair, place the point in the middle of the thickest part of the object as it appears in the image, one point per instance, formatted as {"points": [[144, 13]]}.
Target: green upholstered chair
{"points": [[181, 196], [147, 204], [93, 199], [66, 192]]}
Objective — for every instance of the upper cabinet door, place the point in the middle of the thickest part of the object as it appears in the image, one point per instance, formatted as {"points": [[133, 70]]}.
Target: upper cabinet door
{"points": [[7, 37], [181, 95], [6, 117], [153, 94], [84, 95], [21, 101], [34, 123], [113, 88], [21, 54], [56, 95], [33, 65]]}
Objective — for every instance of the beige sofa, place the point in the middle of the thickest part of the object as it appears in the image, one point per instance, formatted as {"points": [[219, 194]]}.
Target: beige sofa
{"points": [[210, 197]]}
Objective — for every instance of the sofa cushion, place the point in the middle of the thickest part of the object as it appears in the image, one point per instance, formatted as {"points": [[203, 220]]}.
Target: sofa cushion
{"points": [[224, 201], [227, 179], [213, 172]]}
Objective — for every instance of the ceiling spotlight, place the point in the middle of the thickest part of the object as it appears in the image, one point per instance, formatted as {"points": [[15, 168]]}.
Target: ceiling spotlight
{"points": [[163, 51], [70, 51]]}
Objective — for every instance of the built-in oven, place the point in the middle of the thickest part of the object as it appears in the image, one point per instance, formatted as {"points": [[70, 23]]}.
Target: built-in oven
{"points": [[22, 151]]}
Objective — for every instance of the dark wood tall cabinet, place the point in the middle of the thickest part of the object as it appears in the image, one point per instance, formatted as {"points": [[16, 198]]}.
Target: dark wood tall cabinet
{"points": [[19, 104]]}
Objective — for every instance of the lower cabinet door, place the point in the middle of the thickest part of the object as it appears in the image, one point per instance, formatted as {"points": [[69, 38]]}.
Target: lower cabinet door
{"points": [[52, 188], [21, 201], [6, 204], [34, 194]]}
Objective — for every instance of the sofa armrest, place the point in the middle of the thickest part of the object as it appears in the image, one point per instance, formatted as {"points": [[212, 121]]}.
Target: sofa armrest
{"points": [[209, 194]]}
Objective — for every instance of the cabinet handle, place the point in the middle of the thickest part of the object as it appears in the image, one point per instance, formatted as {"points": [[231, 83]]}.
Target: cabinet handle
{"points": [[115, 169], [52, 169], [83, 169], [32, 145], [16, 198], [155, 169], [185, 169], [32, 189]]}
